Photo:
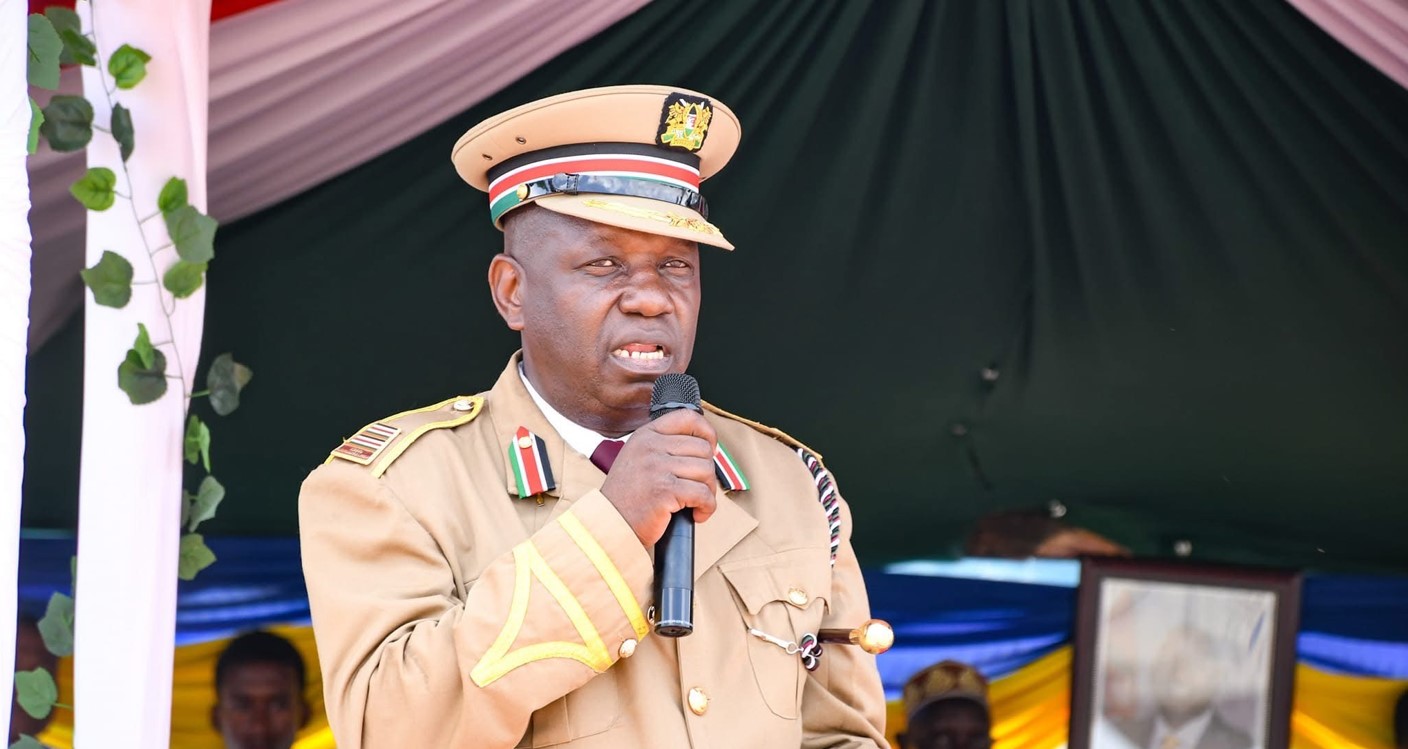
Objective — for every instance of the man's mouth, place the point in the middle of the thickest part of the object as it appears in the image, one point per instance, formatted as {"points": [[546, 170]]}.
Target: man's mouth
{"points": [[640, 351]]}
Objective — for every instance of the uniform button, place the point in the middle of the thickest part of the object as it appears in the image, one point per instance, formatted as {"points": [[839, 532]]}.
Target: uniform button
{"points": [[628, 649], [525, 442], [698, 701], [797, 597], [463, 404]]}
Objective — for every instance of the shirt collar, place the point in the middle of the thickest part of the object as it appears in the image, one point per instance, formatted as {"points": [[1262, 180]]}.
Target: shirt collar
{"points": [[577, 437], [1188, 735]]}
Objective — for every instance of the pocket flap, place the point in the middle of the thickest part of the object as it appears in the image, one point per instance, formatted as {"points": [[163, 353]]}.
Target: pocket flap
{"points": [[796, 577]]}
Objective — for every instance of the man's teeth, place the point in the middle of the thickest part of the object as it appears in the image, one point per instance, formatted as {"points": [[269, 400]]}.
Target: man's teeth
{"points": [[657, 354]]}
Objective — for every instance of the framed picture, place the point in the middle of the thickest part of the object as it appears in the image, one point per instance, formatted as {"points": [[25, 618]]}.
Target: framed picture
{"points": [[1175, 656]]}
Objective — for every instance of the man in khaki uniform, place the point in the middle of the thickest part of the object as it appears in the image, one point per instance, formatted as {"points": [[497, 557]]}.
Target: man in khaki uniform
{"points": [[477, 580]]}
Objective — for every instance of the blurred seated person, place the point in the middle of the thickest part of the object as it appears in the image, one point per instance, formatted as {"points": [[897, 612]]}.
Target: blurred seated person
{"points": [[1019, 534], [946, 707], [259, 683], [30, 653]]}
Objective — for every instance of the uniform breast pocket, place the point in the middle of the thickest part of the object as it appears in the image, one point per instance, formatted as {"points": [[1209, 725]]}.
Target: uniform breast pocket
{"points": [[784, 596]]}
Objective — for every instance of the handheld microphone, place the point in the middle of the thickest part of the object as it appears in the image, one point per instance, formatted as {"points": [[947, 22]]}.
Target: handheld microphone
{"points": [[674, 552]]}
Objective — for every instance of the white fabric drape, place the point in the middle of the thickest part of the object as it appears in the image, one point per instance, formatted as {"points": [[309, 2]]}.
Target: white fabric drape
{"points": [[302, 90], [14, 315], [130, 479], [1376, 30]]}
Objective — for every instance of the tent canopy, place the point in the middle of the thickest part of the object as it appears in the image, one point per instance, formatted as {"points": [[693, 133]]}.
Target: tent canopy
{"points": [[1175, 236]]}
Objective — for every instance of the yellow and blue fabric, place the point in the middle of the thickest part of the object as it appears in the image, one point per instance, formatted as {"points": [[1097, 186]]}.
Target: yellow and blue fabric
{"points": [[1353, 646], [1353, 652]]}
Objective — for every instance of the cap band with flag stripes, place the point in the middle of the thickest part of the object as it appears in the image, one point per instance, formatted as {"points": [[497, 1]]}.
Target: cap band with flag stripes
{"points": [[604, 168]]}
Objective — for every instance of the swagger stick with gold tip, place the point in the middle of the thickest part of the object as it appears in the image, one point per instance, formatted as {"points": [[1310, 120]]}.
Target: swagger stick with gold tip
{"points": [[875, 636]]}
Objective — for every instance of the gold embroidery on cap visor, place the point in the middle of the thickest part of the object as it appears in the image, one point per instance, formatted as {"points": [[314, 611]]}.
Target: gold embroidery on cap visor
{"points": [[684, 123], [665, 217]]}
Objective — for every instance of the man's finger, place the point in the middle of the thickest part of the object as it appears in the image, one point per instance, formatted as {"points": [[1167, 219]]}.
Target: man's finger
{"points": [[696, 469], [685, 422], [686, 446], [696, 495]]}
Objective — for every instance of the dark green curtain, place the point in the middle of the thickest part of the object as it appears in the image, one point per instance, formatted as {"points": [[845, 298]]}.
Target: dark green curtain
{"points": [[1147, 259]]}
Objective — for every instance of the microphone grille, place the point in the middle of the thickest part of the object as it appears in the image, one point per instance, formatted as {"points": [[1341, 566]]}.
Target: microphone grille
{"points": [[675, 388]]}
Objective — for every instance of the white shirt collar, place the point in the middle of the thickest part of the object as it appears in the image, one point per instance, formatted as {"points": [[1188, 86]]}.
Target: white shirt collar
{"points": [[577, 437], [1187, 737]]}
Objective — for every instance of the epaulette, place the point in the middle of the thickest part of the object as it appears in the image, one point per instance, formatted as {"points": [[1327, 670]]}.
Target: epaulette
{"points": [[826, 492], [773, 432], [378, 444]]}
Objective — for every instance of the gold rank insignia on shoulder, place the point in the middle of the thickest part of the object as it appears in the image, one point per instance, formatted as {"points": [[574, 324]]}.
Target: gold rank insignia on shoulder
{"points": [[364, 446], [378, 444], [684, 121]]}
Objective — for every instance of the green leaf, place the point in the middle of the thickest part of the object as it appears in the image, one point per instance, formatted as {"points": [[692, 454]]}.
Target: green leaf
{"points": [[205, 502], [225, 380], [183, 278], [95, 189], [128, 66], [44, 49], [110, 280], [57, 625], [36, 692], [66, 20], [143, 346], [173, 195], [36, 120], [187, 499], [77, 48], [195, 556], [193, 233], [197, 441], [68, 123], [142, 384], [27, 742], [121, 127]]}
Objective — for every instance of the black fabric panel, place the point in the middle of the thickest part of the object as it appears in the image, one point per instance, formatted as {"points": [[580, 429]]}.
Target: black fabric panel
{"points": [[1176, 232]]}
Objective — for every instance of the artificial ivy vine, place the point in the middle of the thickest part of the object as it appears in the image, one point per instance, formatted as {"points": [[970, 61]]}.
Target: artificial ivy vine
{"points": [[56, 38]]}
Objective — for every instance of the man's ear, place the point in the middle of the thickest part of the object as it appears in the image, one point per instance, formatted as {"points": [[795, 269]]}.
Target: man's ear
{"points": [[215, 716], [307, 713], [506, 286]]}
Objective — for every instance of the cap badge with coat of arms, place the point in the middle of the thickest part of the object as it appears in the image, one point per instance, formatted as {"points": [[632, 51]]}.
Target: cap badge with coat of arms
{"points": [[684, 121]]}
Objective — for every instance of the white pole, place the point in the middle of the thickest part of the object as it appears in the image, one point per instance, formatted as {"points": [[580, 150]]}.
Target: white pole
{"points": [[14, 315], [130, 481]]}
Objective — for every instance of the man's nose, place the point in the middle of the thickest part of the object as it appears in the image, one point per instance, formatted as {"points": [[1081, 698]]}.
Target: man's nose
{"points": [[647, 295], [259, 723]]}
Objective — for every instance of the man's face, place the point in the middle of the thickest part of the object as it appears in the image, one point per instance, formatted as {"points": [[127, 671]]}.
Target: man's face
{"points": [[950, 724], [603, 312], [1185, 675], [259, 707]]}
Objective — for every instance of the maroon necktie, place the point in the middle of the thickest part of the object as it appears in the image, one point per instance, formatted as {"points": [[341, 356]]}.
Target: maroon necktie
{"points": [[605, 454]]}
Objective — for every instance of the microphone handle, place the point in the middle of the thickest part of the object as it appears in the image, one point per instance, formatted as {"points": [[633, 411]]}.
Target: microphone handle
{"points": [[674, 577], [674, 552]]}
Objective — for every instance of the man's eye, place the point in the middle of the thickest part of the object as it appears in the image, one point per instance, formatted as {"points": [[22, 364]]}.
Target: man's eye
{"points": [[605, 262], [676, 264]]}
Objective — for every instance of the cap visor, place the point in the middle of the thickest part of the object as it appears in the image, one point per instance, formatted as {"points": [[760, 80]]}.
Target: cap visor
{"points": [[638, 214]]}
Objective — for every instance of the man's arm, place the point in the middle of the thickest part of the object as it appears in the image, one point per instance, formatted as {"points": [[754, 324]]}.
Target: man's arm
{"points": [[843, 703], [409, 660]]}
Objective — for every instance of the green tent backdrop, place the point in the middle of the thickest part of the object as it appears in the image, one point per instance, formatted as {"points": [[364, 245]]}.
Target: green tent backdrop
{"points": [[1176, 233]]}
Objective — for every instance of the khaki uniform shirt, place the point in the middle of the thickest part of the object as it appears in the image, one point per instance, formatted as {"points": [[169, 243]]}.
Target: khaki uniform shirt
{"points": [[449, 612]]}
